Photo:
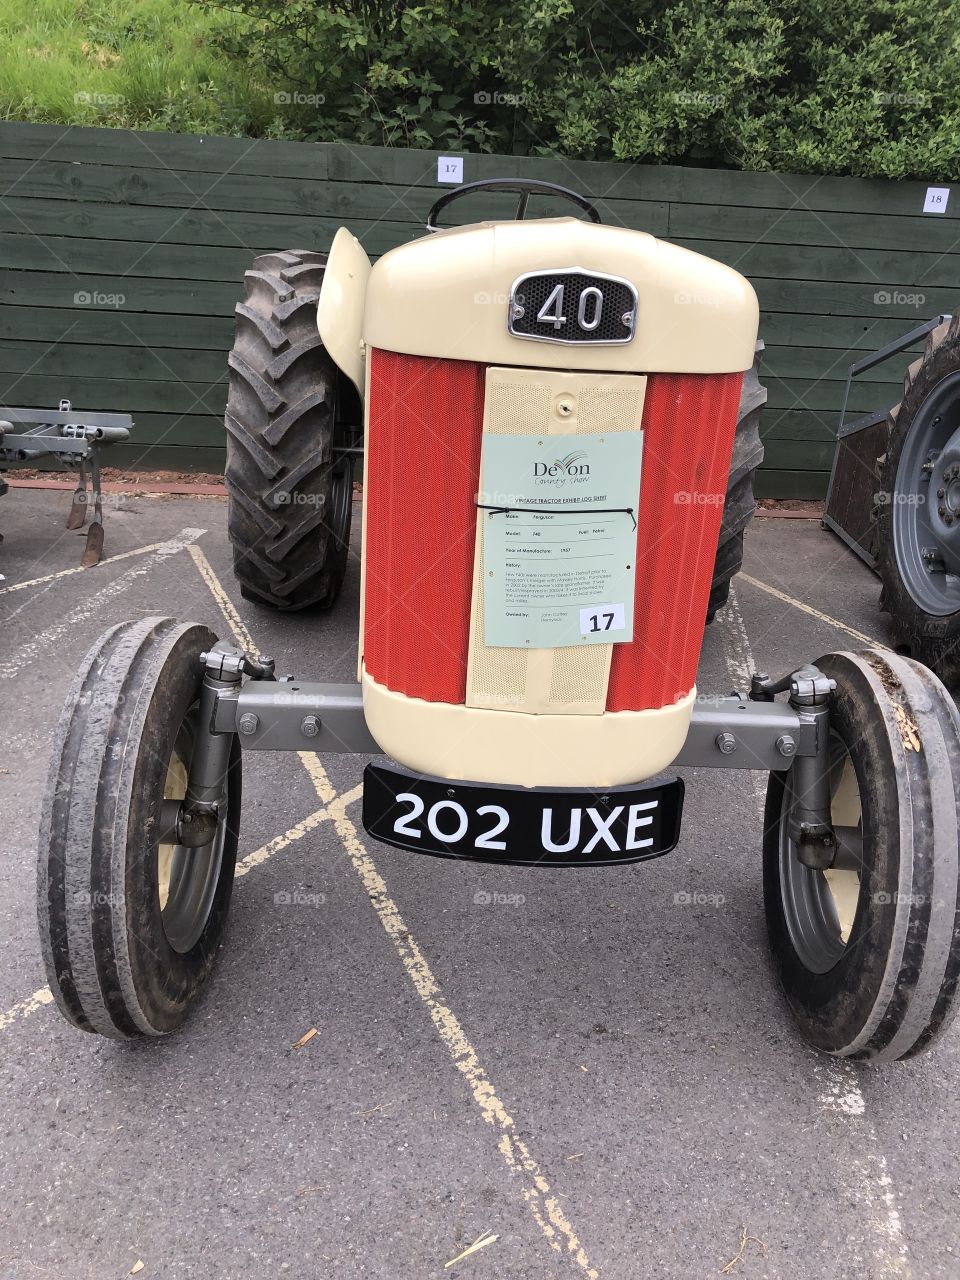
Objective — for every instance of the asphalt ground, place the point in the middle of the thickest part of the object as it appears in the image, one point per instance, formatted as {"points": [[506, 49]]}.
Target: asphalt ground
{"points": [[594, 1067]]}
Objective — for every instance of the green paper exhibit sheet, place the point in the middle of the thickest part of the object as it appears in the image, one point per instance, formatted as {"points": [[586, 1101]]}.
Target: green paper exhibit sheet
{"points": [[559, 521]]}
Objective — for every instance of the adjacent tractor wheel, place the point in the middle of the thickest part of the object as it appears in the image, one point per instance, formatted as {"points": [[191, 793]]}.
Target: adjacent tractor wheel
{"points": [[129, 925], [918, 508], [290, 489], [868, 951], [740, 503]]}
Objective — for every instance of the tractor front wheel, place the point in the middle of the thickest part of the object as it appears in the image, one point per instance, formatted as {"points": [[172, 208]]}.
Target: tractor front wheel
{"points": [[130, 921], [868, 951]]}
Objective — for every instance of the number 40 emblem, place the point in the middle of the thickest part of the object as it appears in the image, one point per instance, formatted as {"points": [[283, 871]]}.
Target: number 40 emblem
{"points": [[589, 308]]}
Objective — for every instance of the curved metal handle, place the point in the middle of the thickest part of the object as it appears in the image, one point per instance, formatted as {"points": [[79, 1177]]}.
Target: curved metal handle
{"points": [[526, 188]]}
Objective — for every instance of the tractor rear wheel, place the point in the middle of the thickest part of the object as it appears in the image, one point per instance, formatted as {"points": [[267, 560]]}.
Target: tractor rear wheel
{"points": [[290, 490], [740, 503], [918, 508]]}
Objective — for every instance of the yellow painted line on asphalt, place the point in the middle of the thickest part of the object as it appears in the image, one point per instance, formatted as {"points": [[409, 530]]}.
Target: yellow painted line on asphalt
{"points": [[537, 1193], [23, 1008], [236, 624], [274, 846], [805, 608], [65, 573]]}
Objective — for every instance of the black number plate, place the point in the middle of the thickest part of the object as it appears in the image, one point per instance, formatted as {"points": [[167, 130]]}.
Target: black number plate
{"points": [[572, 306], [514, 825]]}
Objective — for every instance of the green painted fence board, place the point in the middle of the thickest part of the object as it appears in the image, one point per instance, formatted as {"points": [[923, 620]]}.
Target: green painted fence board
{"points": [[122, 256]]}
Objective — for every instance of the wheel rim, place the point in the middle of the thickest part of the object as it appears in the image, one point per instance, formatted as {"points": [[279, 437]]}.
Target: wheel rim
{"points": [[926, 504], [341, 496], [187, 878], [819, 907]]}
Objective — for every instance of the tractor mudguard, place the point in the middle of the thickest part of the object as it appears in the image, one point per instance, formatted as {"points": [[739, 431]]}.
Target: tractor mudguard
{"points": [[340, 309]]}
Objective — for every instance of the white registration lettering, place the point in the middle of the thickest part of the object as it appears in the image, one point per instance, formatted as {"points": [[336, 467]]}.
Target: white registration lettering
{"points": [[546, 832], [402, 825], [603, 830], [449, 837], [636, 819], [486, 840]]}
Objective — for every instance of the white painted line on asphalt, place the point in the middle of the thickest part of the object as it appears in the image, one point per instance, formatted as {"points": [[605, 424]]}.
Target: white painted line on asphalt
{"points": [[65, 573], [814, 613], [91, 605], [872, 1184], [540, 1200]]}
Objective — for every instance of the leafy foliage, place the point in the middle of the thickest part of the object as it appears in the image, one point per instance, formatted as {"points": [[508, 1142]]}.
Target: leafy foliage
{"points": [[864, 87]]}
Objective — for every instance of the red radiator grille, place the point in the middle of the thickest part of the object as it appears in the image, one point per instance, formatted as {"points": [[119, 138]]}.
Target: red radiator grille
{"points": [[423, 463], [689, 423], [424, 435]]}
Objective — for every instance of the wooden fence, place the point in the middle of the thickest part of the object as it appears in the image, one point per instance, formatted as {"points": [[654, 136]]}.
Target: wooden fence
{"points": [[122, 255]]}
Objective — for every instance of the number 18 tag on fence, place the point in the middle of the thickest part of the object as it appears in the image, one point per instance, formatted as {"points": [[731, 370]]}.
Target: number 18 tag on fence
{"points": [[559, 521]]}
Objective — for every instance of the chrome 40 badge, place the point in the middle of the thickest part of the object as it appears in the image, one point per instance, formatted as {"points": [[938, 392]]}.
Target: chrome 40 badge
{"points": [[559, 522]]}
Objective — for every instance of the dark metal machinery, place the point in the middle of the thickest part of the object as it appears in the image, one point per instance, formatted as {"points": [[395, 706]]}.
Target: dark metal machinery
{"points": [[73, 440]]}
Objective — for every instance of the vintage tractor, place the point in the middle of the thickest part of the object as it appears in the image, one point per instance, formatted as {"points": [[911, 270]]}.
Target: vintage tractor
{"points": [[550, 412]]}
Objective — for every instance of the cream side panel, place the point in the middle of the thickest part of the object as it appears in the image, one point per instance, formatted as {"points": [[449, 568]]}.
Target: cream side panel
{"points": [[470, 744], [447, 296], [341, 305]]}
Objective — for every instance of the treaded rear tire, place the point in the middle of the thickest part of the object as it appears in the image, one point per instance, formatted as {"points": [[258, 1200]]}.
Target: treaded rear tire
{"points": [[740, 503], [290, 499], [933, 639]]}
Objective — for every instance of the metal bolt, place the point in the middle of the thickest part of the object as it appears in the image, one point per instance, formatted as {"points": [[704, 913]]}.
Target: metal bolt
{"points": [[310, 726], [565, 408], [941, 493], [248, 722], [726, 743], [786, 745]]}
